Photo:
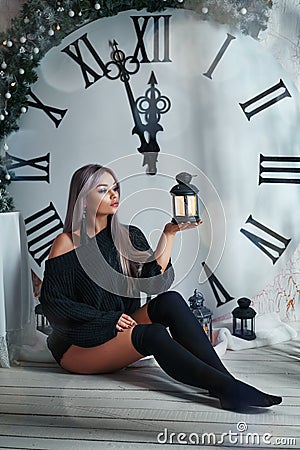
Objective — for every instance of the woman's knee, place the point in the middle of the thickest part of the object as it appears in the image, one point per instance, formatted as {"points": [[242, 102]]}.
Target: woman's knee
{"points": [[145, 337], [171, 298], [159, 308], [171, 294]]}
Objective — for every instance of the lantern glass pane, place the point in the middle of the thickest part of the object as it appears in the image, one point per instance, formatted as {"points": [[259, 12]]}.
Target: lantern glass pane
{"points": [[192, 205], [179, 205]]}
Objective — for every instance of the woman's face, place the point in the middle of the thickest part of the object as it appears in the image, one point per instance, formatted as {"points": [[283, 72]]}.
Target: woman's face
{"points": [[104, 198]]}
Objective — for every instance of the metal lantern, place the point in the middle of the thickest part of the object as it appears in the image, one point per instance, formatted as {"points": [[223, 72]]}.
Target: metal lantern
{"points": [[244, 320], [203, 314], [185, 199]]}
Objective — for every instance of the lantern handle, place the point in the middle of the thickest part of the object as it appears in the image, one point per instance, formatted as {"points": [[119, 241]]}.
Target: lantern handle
{"points": [[184, 177]]}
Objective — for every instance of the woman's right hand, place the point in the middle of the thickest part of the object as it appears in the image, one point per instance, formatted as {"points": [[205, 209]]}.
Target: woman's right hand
{"points": [[125, 322]]}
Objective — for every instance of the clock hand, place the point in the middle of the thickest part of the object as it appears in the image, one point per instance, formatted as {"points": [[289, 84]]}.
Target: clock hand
{"points": [[152, 105], [119, 61]]}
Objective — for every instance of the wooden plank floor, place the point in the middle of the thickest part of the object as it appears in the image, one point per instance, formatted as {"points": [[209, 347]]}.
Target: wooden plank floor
{"points": [[43, 407]]}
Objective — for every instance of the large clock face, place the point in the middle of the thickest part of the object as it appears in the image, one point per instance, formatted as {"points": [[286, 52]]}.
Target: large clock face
{"points": [[200, 98]]}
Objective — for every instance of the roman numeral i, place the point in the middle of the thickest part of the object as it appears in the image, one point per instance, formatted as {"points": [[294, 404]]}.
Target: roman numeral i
{"points": [[219, 55]]}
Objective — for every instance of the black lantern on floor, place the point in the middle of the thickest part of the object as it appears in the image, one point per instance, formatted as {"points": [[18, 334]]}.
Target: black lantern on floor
{"points": [[185, 199], [244, 320], [203, 314]]}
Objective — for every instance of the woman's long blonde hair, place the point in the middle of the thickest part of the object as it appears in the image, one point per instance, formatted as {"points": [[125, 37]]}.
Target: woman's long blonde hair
{"points": [[83, 180]]}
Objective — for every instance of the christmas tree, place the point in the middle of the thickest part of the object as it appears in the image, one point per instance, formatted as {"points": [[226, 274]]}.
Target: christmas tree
{"points": [[6, 201]]}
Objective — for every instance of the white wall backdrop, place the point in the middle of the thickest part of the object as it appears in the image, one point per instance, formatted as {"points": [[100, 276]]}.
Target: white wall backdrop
{"points": [[205, 133]]}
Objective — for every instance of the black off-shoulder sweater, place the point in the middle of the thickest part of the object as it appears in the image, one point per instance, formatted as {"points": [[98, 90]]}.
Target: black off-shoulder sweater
{"points": [[76, 297]]}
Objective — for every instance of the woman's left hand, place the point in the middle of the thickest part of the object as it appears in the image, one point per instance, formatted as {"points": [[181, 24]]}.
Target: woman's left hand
{"points": [[125, 322], [173, 228]]}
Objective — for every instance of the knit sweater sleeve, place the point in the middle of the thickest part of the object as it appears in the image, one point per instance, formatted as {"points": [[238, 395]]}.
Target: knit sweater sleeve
{"points": [[81, 323], [152, 280]]}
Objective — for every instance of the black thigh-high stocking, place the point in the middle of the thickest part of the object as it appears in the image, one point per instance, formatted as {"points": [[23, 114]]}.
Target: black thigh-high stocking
{"points": [[171, 310], [179, 363]]}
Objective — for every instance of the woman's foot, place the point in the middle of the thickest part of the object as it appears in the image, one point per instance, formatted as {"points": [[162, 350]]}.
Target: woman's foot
{"points": [[241, 395]]}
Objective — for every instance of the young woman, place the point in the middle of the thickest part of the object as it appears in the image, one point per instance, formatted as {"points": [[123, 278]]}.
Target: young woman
{"points": [[91, 297]]}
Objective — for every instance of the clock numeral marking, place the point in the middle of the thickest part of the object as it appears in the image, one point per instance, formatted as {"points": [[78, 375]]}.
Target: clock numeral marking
{"points": [[276, 87], [217, 59], [278, 169], [89, 74], [49, 110], [34, 162], [44, 218], [262, 243], [158, 43], [216, 284]]}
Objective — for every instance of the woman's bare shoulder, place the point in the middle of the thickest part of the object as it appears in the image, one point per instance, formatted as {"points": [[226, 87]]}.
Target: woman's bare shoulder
{"points": [[62, 244]]}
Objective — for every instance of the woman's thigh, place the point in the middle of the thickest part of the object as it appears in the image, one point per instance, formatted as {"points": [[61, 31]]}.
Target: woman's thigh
{"points": [[113, 355]]}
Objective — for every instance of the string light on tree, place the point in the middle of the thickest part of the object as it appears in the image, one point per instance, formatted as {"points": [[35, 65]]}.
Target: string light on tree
{"points": [[6, 201]]}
